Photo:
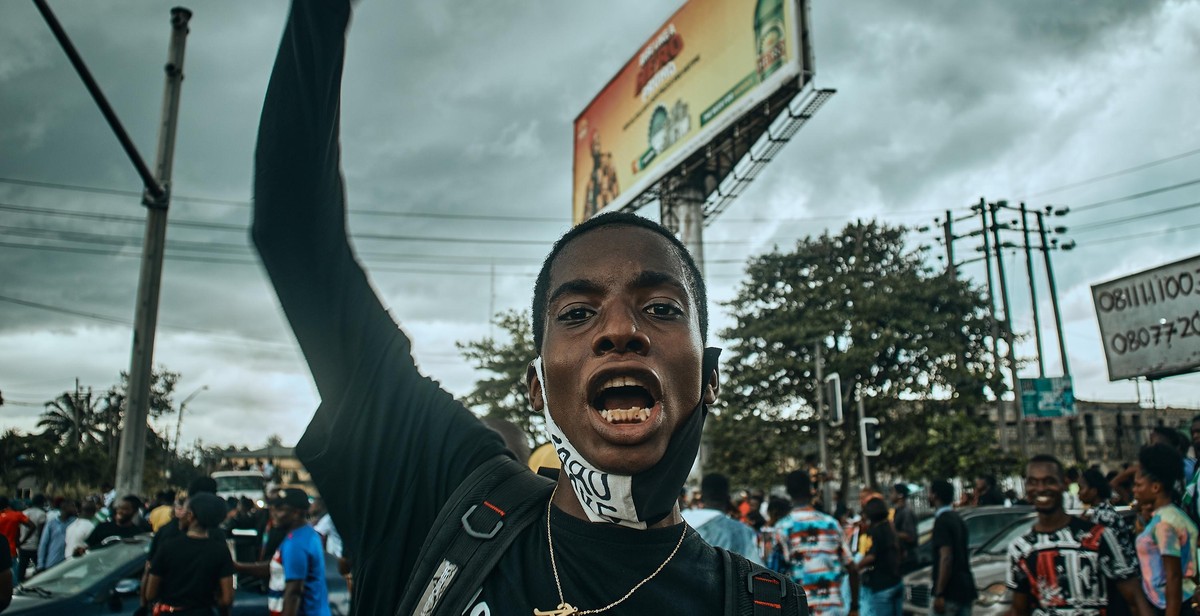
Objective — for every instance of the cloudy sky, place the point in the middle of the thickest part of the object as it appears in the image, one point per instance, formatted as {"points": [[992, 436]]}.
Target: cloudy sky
{"points": [[465, 108]]}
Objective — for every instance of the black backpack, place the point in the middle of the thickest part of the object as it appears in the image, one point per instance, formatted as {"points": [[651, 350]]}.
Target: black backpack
{"points": [[499, 500]]}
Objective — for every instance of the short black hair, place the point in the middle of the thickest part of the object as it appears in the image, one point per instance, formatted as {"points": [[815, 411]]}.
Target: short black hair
{"points": [[209, 509], [4, 504], [901, 490], [942, 489], [799, 485], [202, 485], [1162, 463], [541, 288], [1095, 480], [1045, 458], [875, 510], [714, 489], [988, 479], [39, 500]]}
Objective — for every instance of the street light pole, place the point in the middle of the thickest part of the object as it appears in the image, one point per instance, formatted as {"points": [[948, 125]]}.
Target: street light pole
{"points": [[179, 420], [823, 450]]}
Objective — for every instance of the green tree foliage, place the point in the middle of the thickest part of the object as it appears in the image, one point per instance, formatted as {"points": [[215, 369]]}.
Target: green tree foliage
{"points": [[71, 419], [504, 395], [885, 320]]}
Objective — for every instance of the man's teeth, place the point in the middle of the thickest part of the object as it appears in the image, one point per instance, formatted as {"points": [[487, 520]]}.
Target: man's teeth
{"points": [[625, 415], [622, 381]]}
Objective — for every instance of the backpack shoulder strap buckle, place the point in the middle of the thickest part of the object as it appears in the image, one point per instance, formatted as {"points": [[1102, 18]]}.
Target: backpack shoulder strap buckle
{"points": [[484, 513]]}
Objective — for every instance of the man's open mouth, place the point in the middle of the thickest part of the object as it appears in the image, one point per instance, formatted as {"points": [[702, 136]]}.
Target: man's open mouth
{"points": [[624, 400]]}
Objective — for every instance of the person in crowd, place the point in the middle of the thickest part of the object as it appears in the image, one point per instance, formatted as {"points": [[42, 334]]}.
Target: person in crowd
{"points": [[122, 525], [297, 569], [1071, 500], [175, 528], [1063, 564], [1166, 547], [772, 552], [1190, 502], [191, 574], [904, 521], [13, 525], [163, 511], [753, 516], [986, 492], [880, 566], [52, 548], [815, 548], [714, 523], [79, 530], [1096, 494], [324, 527], [953, 584], [30, 538]]}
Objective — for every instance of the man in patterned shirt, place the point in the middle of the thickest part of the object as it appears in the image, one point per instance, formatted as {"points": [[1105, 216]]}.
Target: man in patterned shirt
{"points": [[1062, 564], [816, 553]]}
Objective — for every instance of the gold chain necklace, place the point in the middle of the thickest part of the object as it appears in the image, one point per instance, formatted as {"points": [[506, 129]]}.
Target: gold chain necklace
{"points": [[566, 609]]}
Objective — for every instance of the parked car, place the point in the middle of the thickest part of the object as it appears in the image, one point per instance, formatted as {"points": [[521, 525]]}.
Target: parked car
{"points": [[989, 565], [107, 581], [982, 524]]}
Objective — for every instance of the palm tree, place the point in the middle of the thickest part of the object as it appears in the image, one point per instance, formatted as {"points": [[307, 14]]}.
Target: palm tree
{"points": [[72, 418]]}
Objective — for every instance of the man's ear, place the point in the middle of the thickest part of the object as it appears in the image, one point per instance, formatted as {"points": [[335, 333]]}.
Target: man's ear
{"points": [[535, 388], [712, 386]]}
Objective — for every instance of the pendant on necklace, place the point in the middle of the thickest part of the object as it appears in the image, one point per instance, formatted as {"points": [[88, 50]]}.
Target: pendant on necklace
{"points": [[564, 609]]}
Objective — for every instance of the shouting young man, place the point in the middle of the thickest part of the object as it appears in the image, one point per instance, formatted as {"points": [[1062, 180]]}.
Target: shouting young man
{"points": [[623, 380]]}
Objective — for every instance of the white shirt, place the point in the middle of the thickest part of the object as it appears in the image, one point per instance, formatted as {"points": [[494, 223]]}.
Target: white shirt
{"points": [[333, 540], [77, 534]]}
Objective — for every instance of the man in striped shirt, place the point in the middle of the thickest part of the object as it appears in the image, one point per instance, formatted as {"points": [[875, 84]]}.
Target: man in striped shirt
{"points": [[816, 552]]}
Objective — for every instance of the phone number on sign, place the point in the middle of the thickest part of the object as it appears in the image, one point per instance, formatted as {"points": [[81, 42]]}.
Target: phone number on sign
{"points": [[1154, 335]]}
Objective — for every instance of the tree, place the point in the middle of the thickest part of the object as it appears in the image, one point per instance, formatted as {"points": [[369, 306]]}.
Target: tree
{"points": [[71, 419], [274, 440], [504, 396], [884, 321]]}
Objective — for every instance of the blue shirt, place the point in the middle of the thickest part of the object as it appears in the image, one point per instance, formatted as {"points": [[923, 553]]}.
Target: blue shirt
{"points": [[300, 557], [52, 548], [723, 531]]}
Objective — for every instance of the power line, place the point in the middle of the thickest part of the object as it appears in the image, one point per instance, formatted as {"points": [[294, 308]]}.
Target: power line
{"points": [[1113, 174], [246, 203], [1116, 221], [1121, 238], [1135, 196]]}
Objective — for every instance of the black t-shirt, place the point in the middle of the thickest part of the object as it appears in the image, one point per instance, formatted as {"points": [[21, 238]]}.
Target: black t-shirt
{"points": [[949, 530], [905, 521], [885, 545], [388, 446], [108, 529], [171, 530], [6, 557], [191, 570]]}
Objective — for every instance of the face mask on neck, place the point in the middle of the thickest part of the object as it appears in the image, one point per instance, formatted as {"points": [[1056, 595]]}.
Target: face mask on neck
{"points": [[638, 500]]}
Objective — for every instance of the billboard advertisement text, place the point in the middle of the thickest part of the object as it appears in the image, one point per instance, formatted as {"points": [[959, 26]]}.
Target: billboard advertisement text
{"points": [[710, 63]]}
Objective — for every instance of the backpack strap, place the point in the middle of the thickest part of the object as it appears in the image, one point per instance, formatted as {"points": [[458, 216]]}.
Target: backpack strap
{"points": [[754, 590], [472, 531]]}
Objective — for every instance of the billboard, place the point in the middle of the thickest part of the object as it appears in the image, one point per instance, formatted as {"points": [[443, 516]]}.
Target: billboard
{"points": [[1047, 398], [710, 63], [1150, 321]]}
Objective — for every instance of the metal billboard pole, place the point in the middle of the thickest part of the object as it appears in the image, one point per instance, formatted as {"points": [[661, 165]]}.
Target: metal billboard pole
{"points": [[132, 457]]}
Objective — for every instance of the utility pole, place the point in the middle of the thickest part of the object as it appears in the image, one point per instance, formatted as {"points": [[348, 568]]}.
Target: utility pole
{"points": [[1008, 333], [868, 479], [132, 456], [950, 267], [1073, 422], [1037, 320], [823, 450], [1001, 412]]}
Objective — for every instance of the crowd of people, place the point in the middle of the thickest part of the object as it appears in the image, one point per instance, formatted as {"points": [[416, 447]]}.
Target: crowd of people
{"points": [[1116, 543], [198, 544]]}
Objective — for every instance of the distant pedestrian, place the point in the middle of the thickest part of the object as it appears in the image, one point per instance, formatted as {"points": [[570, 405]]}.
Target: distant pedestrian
{"points": [[163, 511], [986, 492], [881, 587], [175, 528], [296, 571], [1095, 493], [1166, 548], [953, 584], [817, 552], [79, 530], [13, 524], [714, 523], [1063, 563], [28, 552], [52, 549], [905, 523], [193, 573], [121, 526]]}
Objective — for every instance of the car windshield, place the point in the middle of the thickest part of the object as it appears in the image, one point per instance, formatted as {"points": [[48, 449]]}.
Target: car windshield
{"points": [[78, 574], [239, 483], [998, 546]]}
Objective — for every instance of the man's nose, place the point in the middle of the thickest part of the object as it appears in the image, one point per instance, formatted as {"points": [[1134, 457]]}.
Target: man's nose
{"points": [[620, 332]]}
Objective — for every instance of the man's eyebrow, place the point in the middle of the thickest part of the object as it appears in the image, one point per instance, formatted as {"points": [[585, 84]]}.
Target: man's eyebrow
{"points": [[582, 286], [650, 279]]}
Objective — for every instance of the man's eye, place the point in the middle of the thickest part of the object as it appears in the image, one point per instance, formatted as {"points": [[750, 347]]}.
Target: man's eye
{"points": [[575, 314], [664, 310]]}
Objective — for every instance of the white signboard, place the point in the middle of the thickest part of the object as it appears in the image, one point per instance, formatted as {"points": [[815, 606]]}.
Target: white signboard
{"points": [[1150, 321]]}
